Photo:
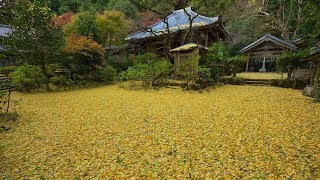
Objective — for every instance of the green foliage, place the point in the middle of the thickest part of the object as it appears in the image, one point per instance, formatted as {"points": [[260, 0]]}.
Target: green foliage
{"points": [[80, 5], [84, 24], [6, 70], [218, 55], [124, 6], [35, 40], [153, 73], [145, 58], [218, 52], [212, 8], [106, 74], [204, 77], [291, 60], [112, 27], [27, 78], [237, 64], [6, 12], [311, 24], [61, 80]]}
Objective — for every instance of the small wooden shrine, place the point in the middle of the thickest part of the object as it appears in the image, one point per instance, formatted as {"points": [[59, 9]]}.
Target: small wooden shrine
{"points": [[186, 58], [264, 52]]}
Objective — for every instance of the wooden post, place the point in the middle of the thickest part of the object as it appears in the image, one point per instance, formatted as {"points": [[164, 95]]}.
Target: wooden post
{"points": [[247, 67], [316, 82], [207, 39]]}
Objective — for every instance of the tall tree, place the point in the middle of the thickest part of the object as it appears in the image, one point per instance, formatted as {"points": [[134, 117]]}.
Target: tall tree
{"points": [[76, 6], [125, 6], [112, 27], [35, 40], [6, 10], [311, 23], [83, 23]]}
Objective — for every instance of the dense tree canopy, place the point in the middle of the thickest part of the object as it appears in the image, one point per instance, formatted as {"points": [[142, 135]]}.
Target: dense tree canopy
{"points": [[35, 40]]}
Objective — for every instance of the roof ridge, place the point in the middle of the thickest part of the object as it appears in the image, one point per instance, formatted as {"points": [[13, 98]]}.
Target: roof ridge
{"points": [[270, 36]]}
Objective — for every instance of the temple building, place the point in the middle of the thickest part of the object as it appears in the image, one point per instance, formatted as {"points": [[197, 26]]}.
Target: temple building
{"points": [[264, 52], [204, 31]]}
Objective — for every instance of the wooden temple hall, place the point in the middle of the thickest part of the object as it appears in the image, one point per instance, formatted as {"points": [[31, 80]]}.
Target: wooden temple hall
{"points": [[264, 52], [205, 30]]}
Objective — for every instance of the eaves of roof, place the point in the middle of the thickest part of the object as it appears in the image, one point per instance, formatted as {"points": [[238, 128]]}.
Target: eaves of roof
{"points": [[269, 38], [178, 20]]}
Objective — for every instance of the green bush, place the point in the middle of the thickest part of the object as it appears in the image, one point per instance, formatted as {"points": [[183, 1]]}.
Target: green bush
{"points": [[155, 73], [291, 60], [7, 70], [107, 74], [61, 81], [204, 77], [146, 58], [27, 78]]}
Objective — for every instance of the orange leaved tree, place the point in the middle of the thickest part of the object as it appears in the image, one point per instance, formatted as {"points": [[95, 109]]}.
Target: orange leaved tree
{"points": [[84, 52]]}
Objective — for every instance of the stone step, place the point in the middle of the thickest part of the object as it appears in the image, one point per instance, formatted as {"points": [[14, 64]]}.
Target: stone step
{"points": [[258, 82]]}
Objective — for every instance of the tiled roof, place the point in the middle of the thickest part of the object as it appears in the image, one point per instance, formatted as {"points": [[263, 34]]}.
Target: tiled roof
{"points": [[178, 20], [267, 38], [5, 30]]}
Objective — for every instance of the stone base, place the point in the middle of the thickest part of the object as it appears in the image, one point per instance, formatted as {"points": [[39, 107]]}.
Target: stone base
{"points": [[308, 91], [262, 70]]}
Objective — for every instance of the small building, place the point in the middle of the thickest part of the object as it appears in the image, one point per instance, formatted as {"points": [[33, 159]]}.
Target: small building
{"points": [[205, 31], [315, 79], [187, 57], [264, 52]]}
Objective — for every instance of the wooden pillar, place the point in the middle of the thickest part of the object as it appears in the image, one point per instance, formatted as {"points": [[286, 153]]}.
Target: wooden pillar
{"points": [[316, 82], [247, 67], [207, 39]]}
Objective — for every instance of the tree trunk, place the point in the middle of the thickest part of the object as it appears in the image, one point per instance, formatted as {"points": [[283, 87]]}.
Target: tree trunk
{"points": [[46, 75]]}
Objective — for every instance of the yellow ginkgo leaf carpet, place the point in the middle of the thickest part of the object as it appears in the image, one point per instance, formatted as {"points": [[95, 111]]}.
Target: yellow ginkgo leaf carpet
{"points": [[109, 132]]}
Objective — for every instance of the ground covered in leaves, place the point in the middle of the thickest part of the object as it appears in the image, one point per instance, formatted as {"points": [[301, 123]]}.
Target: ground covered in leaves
{"points": [[266, 75], [231, 131]]}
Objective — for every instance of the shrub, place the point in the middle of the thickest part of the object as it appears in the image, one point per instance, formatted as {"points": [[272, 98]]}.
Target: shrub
{"points": [[155, 73], [233, 81], [291, 60], [204, 77], [7, 70], [106, 74], [61, 81], [146, 58], [26, 78]]}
